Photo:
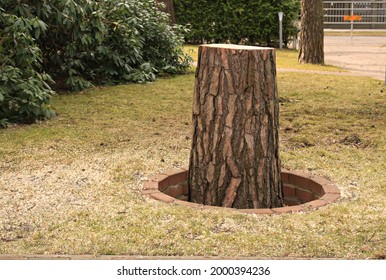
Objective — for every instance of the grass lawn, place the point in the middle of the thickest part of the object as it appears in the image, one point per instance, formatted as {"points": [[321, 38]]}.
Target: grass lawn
{"points": [[285, 59], [72, 185]]}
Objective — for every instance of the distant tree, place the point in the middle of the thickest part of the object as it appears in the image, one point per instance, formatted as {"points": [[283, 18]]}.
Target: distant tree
{"points": [[311, 33], [169, 8]]}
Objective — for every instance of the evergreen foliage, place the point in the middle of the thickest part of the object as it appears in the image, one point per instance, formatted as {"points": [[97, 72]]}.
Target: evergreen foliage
{"points": [[237, 21], [24, 88], [78, 43]]}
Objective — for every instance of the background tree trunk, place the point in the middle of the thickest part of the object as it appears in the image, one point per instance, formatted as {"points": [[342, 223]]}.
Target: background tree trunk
{"points": [[169, 8], [234, 159], [311, 33]]}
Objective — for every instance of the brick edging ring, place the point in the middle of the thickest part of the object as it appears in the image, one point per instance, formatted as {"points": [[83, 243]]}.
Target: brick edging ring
{"points": [[301, 191]]}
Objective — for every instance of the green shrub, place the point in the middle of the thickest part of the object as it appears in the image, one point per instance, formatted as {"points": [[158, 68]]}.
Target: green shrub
{"points": [[80, 43], [237, 21], [24, 89]]}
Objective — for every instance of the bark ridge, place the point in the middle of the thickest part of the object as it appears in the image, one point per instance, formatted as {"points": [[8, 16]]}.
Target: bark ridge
{"points": [[234, 159]]}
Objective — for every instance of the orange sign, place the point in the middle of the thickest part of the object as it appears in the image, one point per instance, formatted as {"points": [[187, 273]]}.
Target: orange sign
{"points": [[349, 18]]}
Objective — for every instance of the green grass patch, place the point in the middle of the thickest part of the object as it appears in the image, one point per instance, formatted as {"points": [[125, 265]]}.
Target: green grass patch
{"points": [[284, 59], [72, 185], [289, 59]]}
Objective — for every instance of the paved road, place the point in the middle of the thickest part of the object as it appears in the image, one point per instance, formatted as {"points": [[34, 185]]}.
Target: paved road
{"points": [[366, 55]]}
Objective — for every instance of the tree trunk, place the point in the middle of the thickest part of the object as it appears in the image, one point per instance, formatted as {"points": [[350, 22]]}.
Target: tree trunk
{"points": [[169, 9], [234, 160], [311, 33]]}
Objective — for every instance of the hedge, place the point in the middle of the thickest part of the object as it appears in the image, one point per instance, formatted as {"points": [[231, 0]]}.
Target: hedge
{"points": [[237, 21]]}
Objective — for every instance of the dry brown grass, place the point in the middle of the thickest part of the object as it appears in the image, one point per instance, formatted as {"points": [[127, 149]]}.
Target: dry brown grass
{"points": [[72, 185]]}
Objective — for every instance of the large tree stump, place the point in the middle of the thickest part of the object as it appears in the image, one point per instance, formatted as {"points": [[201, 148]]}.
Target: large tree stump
{"points": [[234, 159]]}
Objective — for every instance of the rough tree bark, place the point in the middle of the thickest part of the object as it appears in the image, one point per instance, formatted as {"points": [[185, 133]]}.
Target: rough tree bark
{"points": [[311, 33], [234, 159]]}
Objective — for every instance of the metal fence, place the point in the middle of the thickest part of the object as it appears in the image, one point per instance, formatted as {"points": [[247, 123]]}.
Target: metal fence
{"points": [[372, 12]]}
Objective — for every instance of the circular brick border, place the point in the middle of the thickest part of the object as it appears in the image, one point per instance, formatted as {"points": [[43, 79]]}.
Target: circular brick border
{"points": [[301, 191]]}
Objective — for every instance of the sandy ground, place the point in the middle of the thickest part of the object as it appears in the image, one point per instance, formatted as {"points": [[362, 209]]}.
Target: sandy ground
{"points": [[365, 55]]}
